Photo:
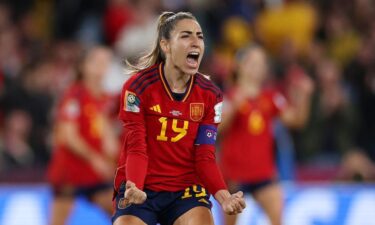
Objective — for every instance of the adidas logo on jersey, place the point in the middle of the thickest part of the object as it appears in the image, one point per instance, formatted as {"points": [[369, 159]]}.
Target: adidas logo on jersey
{"points": [[156, 108]]}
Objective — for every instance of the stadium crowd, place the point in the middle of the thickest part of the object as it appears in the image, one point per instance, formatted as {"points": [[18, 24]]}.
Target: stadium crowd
{"points": [[333, 42]]}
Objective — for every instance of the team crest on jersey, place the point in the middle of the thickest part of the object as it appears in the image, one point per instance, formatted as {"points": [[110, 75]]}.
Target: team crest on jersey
{"points": [[131, 102], [196, 111]]}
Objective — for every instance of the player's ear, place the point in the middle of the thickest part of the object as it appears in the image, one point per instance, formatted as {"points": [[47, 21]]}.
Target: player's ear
{"points": [[164, 45]]}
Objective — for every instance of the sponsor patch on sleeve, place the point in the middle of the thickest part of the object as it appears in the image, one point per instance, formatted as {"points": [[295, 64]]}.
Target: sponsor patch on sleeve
{"points": [[218, 111], [131, 102]]}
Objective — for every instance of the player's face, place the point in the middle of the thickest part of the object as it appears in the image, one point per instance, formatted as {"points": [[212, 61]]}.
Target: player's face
{"points": [[96, 64], [253, 67], [186, 46]]}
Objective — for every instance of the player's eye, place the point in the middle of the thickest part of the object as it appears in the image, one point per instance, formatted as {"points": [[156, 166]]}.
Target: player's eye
{"points": [[185, 36]]}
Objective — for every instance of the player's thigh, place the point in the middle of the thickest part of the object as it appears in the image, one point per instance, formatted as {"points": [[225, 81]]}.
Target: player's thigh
{"points": [[270, 198], [128, 220], [270, 195], [61, 208], [197, 215], [103, 198]]}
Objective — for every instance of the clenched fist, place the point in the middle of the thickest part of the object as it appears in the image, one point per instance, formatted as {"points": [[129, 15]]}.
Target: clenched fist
{"points": [[231, 204], [133, 195]]}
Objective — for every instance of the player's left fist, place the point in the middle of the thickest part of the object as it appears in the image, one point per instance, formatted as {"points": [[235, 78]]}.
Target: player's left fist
{"points": [[234, 204], [133, 195]]}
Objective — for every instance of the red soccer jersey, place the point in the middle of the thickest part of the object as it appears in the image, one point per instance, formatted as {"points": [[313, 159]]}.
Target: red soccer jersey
{"points": [[247, 146], [170, 127], [87, 112]]}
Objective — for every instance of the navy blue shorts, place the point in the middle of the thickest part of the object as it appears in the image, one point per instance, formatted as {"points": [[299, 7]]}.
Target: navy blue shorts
{"points": [[162, 207], [255, 186], [80, 191]]}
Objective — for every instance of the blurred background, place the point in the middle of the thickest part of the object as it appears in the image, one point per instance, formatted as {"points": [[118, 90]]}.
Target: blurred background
{"points": [[327, 168]]}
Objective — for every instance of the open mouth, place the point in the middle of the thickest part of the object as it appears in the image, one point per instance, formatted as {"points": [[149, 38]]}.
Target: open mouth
{"points": [[192, 59]]}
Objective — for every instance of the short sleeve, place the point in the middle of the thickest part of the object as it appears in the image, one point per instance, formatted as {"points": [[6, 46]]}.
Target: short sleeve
{"points": [[214, 110], [70, 109]]}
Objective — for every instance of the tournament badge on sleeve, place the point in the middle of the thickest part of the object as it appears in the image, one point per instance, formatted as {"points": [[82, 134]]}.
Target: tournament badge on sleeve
{"points": [[131, 102], [196, 111]]}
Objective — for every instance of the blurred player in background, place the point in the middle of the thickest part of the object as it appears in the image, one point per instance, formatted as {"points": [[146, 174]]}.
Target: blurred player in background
{"points": [[85, 144], [170, 114], [246, 137]]}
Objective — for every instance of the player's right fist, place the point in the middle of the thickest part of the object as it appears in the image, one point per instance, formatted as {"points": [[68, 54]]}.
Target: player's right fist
{"points": [[133, 195]]}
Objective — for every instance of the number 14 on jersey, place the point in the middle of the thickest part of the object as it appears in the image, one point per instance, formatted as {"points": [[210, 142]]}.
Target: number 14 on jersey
{"points": [[179, 131]]}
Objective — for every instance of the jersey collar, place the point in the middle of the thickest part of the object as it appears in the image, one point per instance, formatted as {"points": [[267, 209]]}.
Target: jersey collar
{"points": [[168, 89]]}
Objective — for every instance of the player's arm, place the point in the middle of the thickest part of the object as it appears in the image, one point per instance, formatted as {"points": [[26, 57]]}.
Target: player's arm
{"points": [[231, 106], [67, 133], [110, 141], [297, 112], [295, 116], [132, 115], [205, 163], [210, 175]]}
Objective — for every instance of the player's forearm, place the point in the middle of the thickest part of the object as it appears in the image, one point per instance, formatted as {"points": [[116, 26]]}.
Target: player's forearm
{"points": [[70, 136], [110, 143], [208, 170], [136, 149], [222, 195], [226, 120], [211, 176], [303, 110], [136, 169], [296, 116]]}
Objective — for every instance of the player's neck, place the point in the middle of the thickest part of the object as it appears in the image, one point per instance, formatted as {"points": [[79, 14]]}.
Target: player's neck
{"points": [[250, 87], [177, 80], [93, 88], [251, 90]]}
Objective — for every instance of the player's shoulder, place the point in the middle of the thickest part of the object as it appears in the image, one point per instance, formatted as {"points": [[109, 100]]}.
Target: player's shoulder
{"points": [[141, 80], [275, 95], [207, 85], [271, 91], [75, 90], [70, 101]]}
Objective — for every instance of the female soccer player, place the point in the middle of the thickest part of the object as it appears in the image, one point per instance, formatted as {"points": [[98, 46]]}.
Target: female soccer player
{"points": [[85, 147], [170, 114], [246, 131]]}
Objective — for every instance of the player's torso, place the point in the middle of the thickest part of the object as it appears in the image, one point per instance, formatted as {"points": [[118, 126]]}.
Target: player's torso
{"points": [[90, 120], [255, 115], [248, 144], [172, 126]]}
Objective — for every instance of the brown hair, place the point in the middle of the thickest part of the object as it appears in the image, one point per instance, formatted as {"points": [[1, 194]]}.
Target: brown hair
{"points": [[166, 23]]}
